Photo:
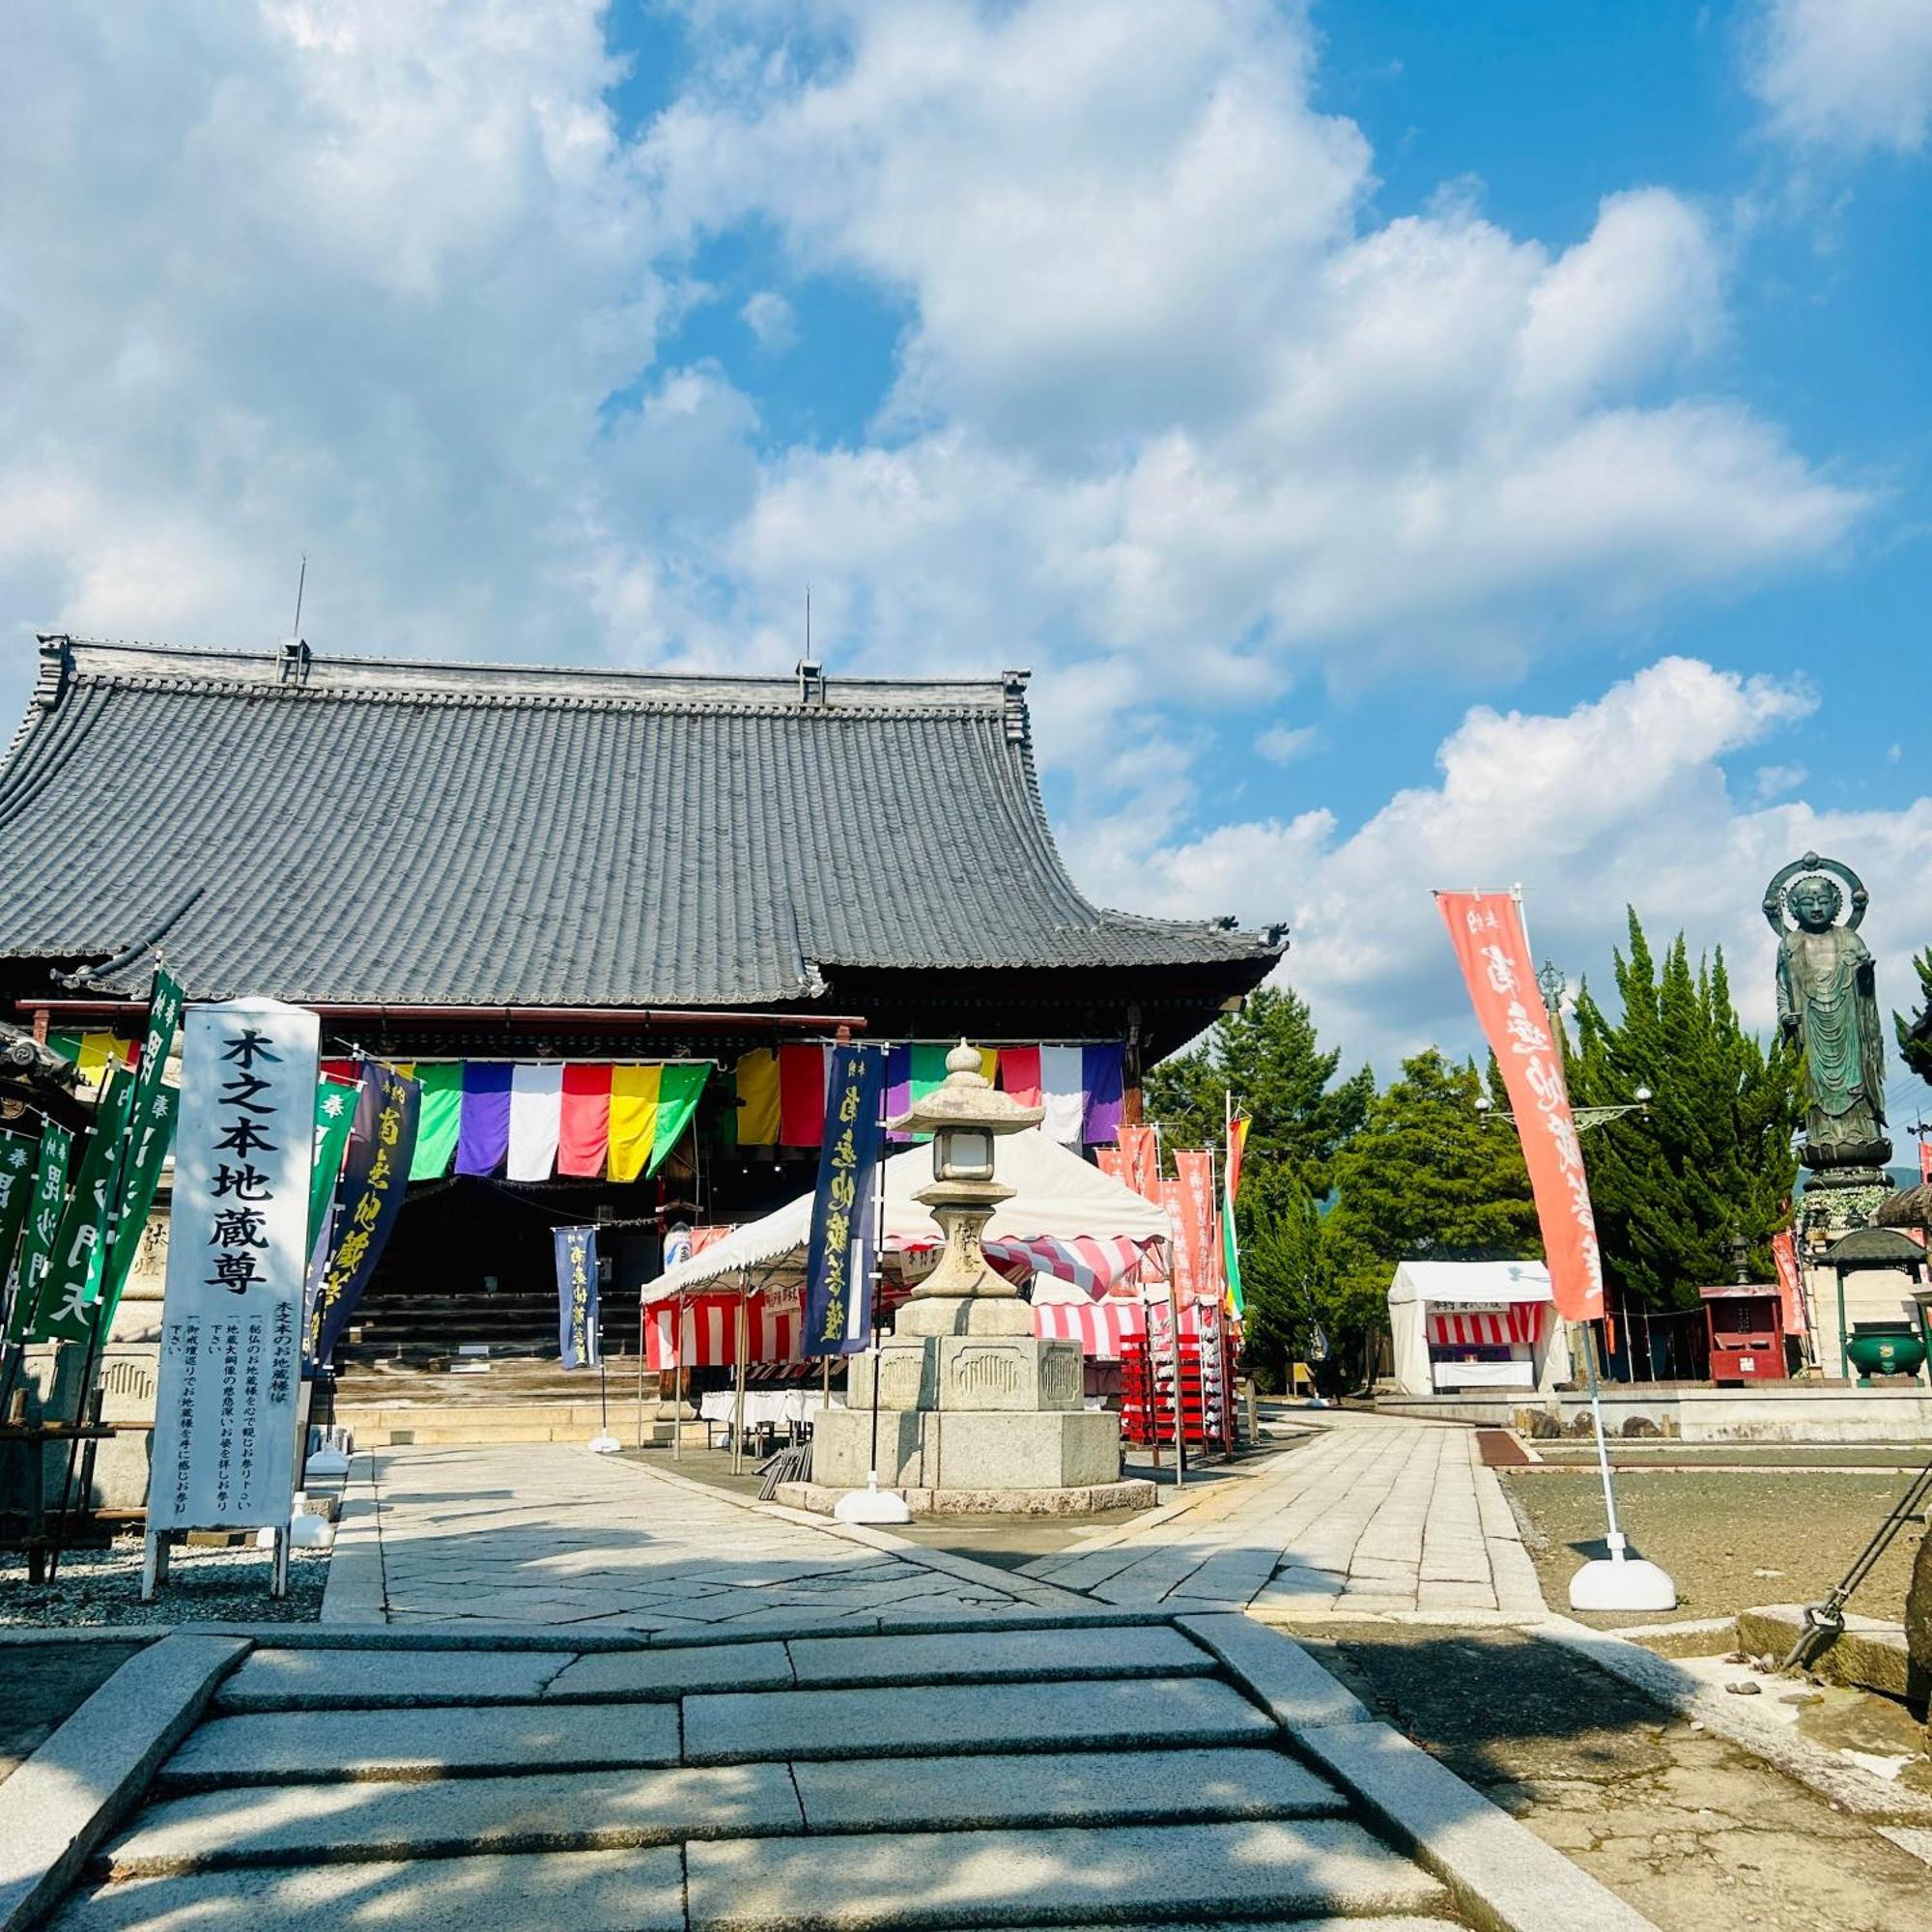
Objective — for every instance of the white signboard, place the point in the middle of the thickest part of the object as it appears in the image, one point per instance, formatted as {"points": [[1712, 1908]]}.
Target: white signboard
{"points": [[224, 1437]]}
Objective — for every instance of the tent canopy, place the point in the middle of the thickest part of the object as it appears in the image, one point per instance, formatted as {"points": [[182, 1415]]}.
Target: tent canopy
{"points": [[1450, 1282], [1055, 1195]]}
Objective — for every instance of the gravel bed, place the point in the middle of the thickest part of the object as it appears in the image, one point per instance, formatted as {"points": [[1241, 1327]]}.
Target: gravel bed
{"points": [[204, 1585]]}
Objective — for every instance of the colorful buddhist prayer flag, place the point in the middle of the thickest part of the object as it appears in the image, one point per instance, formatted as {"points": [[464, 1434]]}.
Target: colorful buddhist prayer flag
{"points": [[484, 1143], [583, 1120], [838, 1261], [1019, 1074], [41, 1229], [802, 1076], [439, 1122], [577, 1296], [758, 1101], [1231, 1182], [94, 1052], [536, 1120], [1140, 1148]]}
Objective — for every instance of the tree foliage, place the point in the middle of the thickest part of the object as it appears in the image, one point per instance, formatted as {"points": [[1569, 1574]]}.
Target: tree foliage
{"points": [[1915, 1036], [1713, 1159]]}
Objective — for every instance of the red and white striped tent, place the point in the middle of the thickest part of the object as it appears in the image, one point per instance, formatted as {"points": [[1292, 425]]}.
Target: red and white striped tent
{"points": [[1475, 1324]]}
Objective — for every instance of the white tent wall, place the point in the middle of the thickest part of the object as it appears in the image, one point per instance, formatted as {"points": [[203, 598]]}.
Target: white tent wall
{"points": [[1057, 1195], [1422, 1288]]}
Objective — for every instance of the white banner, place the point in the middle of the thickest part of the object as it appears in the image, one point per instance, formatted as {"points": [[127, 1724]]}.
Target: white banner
{"points": [[224, 1437]]}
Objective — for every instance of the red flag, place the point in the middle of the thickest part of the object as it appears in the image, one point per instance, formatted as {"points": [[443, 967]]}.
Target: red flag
{"points": [[1486, 929], [1925, 1160], [1111, 1162], [1784, 1253], [1174, 1198], [1197, 1188], [1140, 1149]]}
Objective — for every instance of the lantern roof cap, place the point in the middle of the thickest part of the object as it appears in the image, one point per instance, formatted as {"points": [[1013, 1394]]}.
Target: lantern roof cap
{"points": [[966, 1099]]}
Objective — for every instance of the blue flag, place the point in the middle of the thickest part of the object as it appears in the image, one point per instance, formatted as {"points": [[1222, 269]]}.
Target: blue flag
{"points": [[838, 1266], [576, 1296]]}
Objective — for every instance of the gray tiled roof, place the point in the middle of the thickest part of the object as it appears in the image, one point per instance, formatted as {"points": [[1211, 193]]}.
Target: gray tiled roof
{"points": [[347, 830]]}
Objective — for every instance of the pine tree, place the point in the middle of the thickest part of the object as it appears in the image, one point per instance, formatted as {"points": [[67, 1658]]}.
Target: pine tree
{"points": [[1269, 1057], [1915, 1036], [1426, 1178], [1713, 1158]]}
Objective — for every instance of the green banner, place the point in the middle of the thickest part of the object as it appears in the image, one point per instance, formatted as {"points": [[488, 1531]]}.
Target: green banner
{"points": [[334, 1116], [678, 1089], [73, 1283], [440, 1121], [141, 1178], [165, 1011], [37, 1239], [16, 1191]]}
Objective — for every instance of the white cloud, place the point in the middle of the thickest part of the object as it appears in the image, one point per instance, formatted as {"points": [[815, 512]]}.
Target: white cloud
{"points": [[1622, 800], [1852, 74], [1771, 780], [1283, 744], [771, 319]]}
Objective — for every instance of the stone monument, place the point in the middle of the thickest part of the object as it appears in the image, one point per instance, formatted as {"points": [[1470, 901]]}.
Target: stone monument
{"points": [[976, 1414]]}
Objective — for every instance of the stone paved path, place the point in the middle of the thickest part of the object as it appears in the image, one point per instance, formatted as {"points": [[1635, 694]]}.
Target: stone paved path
{"points": [[1376, 1516], [546, 1534]]}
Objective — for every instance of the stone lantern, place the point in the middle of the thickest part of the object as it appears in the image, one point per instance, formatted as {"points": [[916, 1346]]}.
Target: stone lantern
{"points": [[976, 1412]]}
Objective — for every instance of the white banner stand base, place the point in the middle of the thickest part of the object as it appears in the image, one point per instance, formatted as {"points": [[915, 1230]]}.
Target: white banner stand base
{"points": [[1620, 1583], [606, 1444], [872, 1504]]}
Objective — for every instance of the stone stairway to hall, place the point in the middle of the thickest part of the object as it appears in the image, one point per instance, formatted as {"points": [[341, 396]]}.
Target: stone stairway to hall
{"points": [[999, 1777]]}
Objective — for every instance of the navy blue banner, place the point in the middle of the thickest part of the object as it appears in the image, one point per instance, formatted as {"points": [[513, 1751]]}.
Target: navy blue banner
{"points": [[840, 1264], [368, 1198], [576, 1296]]}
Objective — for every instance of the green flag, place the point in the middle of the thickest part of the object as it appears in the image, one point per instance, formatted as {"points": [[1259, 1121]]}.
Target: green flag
{"points": [[72, 1282], [16, 1191], [440, 1121], [37, 1239], [334, 1116], [678, 1089], [140, 1176]]}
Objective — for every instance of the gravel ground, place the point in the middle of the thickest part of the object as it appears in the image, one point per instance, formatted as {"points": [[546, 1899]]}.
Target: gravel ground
{"points": [[1698, 1835], [103, 1586], [1730, 1539], [1756, 1455]]}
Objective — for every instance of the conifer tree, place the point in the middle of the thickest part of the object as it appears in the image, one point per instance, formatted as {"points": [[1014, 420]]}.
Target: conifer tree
{"points": [[1713, 1159], [1915, 1036]]}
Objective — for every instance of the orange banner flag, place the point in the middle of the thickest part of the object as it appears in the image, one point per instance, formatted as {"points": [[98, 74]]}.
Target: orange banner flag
{"points": [[1486, 929]]}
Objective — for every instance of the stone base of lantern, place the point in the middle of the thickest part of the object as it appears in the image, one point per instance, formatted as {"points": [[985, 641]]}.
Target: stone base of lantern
{"points": [[1004, 1450], [1134, 1494]]}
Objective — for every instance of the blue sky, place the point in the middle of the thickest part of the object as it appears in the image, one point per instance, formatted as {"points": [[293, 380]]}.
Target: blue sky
{"points": [[1411, 445]]}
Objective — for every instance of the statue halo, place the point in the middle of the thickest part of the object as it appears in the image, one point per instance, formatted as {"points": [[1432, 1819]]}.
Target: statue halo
{"points": [[1778, 890]]}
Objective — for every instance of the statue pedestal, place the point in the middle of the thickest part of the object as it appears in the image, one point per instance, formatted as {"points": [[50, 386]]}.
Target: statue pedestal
{"points": [[975, 1414]]}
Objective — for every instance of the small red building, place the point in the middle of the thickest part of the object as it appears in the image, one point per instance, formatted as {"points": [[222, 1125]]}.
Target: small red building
{"points": [[1745, 1321]]}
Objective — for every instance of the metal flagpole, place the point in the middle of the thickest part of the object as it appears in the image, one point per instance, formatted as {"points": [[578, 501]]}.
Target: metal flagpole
{"points": [[738, 1403], [677, 1379], [878, 1279]]}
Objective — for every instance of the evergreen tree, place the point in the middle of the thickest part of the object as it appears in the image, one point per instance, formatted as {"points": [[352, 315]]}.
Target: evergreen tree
{"points": [[1426, 1178], [1915, 1036], [1713, 1159], [1268, 1056]]}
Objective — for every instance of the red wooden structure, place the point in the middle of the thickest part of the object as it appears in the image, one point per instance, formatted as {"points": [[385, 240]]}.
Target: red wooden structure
{"points": [[1746, 1322]]}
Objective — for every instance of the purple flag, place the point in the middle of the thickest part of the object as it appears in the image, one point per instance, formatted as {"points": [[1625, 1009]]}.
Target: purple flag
{"points": [[1102, 1076], [484, 1143], [898, 1084]]}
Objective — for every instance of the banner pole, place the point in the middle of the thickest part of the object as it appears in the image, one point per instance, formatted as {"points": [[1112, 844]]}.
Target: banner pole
{"points": [[878, 1281], [677, 1379], [738, 1405]]}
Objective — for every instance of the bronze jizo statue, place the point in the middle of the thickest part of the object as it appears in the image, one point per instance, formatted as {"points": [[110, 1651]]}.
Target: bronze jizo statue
{"points": [[1828, 1002]]}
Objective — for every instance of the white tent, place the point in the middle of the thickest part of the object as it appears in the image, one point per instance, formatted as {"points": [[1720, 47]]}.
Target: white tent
{"points": [[1057, 1196], [1478, 1309]]}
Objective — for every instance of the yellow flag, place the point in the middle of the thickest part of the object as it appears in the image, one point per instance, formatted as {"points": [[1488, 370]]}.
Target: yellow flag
{"points": [[634, 1118], [758, 1099]]}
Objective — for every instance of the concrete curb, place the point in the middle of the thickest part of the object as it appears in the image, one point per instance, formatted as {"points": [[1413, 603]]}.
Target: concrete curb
{"points": [[67, 1796], [1504, 1876], [1677, 1690], [353, 1593]]}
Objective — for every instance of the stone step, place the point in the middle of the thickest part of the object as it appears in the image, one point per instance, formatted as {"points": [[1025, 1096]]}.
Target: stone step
{"points": [[1283, 1868], [571, 1891], [1083, 1714], [319, 1746], [991, 1656], [358, 1823], [320, 1680]]}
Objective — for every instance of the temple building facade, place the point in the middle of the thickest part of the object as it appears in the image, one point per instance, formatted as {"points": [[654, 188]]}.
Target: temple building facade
{"points": [[609, 919]]}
